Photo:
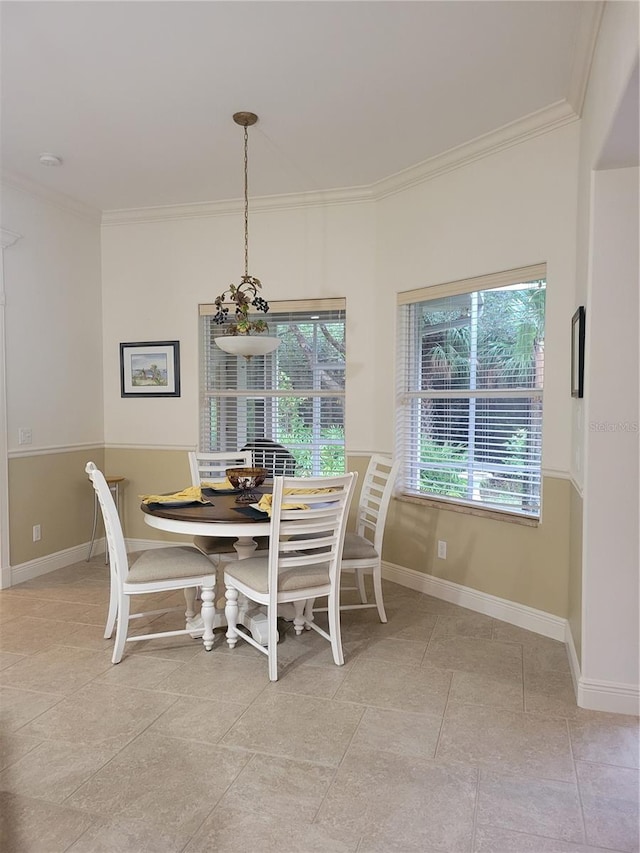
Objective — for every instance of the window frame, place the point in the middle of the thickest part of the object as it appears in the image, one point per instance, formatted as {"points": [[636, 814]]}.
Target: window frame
{"points": [[270, 395], [409, 397]]}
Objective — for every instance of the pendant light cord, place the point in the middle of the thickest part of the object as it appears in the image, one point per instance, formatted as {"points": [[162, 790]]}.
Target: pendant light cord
{"points": [[246, 202]]}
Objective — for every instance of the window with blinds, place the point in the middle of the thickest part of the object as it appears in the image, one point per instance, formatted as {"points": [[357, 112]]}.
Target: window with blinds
{"points": [[470, 385], [294, 396]]}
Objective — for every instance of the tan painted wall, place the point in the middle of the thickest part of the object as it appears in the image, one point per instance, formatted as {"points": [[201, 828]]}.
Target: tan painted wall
{"points": [[158, 471], [522, 564], [51, 490], [147, 472], [574, 614], [528, 565]]}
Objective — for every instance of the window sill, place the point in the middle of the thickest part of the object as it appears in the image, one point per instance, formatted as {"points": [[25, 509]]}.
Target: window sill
{"points": [[467, 509]]}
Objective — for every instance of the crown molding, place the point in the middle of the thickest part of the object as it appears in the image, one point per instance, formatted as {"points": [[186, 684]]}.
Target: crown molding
{"points": [[53, 197], [543, 121], [199, 210], [583, 52], [535, 124]]}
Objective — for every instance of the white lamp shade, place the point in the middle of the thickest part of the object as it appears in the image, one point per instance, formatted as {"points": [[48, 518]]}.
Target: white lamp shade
{"points": [[247, 345]]}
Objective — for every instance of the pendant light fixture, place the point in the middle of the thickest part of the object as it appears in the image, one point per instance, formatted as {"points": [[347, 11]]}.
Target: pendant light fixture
{"points": [[244, 334]]}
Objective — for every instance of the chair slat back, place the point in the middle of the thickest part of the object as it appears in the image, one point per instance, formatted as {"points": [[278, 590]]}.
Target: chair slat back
{"points": [[275, 457], [324, 521], [118, 560], [212, 466], [375, 496]]}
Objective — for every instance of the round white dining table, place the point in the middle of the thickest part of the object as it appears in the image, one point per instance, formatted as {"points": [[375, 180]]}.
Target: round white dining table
{"points": [[224, 517]]}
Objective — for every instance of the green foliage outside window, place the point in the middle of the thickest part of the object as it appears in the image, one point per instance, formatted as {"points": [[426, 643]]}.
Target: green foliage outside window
{"points": [[442, 480]]}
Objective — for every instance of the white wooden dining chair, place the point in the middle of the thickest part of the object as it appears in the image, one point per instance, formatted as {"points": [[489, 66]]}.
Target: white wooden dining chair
{"points": [[294, 572], [362, 552], [212, 467], [156, 570]]}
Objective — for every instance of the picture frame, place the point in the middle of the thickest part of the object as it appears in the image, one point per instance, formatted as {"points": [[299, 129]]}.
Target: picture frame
{"points": [[577, 352], [150, 369]]}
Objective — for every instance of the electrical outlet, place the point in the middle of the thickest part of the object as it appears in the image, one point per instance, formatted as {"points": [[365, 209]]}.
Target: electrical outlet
{"points": [[24, 435], [442, 549], [37, 533]]}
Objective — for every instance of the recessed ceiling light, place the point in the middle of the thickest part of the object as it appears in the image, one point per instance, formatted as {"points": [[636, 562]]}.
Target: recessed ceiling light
{"points": [[50, 160]]}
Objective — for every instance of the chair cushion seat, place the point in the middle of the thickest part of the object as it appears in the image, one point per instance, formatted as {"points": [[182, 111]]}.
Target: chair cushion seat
{"points": [[253, 573], [358, 548], [159, 564]]}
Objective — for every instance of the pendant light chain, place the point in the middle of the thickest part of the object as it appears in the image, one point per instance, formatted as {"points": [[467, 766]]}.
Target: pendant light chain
{"points": [[246, 295], [246, 202]]}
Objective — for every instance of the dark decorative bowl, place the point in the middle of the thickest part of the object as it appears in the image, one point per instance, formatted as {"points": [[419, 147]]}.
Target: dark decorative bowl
{"points": [[246, 479]]}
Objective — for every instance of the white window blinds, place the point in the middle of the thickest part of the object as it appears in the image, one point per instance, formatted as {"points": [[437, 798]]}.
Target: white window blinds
{"points": [[470, 384], [294, 396]]}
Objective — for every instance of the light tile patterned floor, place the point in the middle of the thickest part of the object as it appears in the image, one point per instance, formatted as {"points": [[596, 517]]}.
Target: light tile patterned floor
{"points": [[445, 732]]}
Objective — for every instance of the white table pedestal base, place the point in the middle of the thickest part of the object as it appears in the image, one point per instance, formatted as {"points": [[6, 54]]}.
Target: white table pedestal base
{"points": [[253, 618]]}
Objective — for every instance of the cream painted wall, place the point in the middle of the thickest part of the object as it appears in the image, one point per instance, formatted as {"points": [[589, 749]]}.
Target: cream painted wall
{"points": [[155, 275], [614, 58], [508, 210], [574, 604], [604, 597], [53, 324], [53, 363], [611, 509]]}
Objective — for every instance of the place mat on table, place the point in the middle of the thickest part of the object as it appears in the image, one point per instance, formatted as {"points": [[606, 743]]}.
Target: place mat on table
{"points": [[251, 512]]}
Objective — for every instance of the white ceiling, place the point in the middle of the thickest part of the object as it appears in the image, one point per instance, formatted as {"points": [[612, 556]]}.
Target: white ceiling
{"points": [[137, 97]]}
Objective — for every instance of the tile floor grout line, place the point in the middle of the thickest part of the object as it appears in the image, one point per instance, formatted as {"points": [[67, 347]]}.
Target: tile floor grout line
{"points": [[213, 809], [476, 805], [577, 783], [444, 714], [524, 701], [339, 765]]}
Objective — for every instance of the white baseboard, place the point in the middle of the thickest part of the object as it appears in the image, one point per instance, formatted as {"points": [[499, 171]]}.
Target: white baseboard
{"points": [[614, 697], [574, 661], [595, 695], [481, 602], [13, 575], [42, 565], [609, 696]]}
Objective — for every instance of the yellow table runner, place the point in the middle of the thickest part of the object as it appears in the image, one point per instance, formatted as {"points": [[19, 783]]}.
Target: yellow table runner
{"points": [[225, 484], [188, 495]]}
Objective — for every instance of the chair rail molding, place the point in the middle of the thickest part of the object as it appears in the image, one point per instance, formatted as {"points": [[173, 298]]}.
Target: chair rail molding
{"points": [[7, 239]]}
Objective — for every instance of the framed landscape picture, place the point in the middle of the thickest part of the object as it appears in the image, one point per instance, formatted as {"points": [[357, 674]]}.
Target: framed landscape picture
{"points": [[150, 369], [577, 353]]}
